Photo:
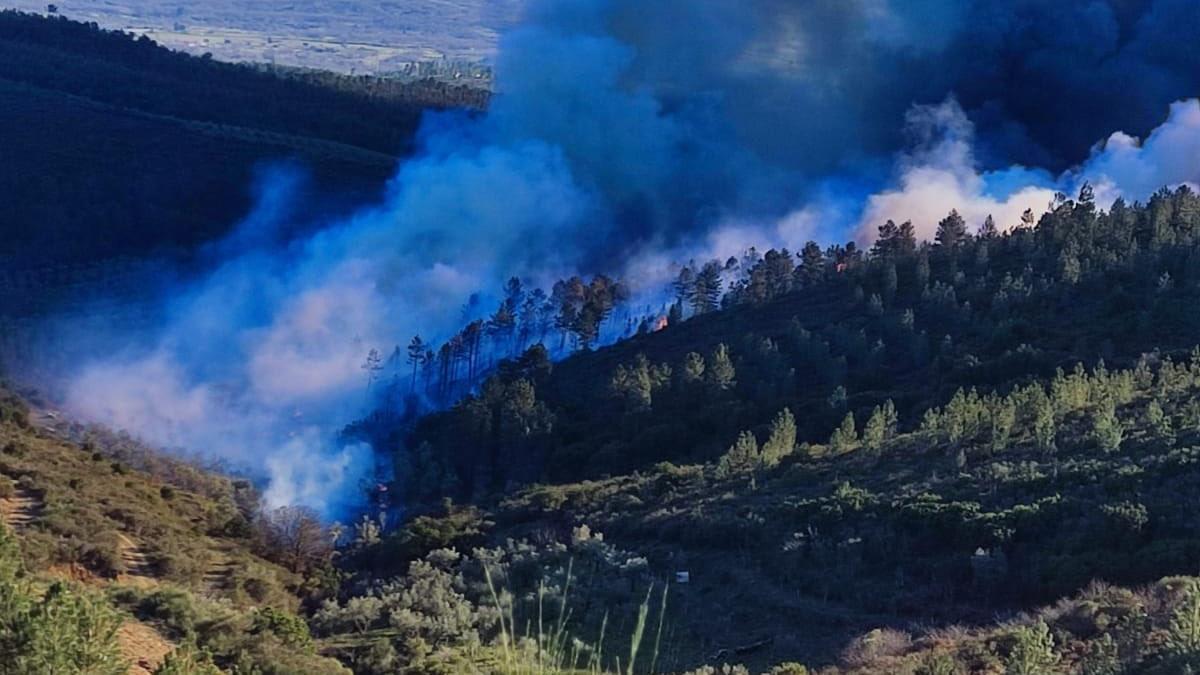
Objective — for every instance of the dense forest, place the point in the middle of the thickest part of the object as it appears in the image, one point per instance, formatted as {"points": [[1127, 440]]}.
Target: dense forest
{"points": [[822, 332]]}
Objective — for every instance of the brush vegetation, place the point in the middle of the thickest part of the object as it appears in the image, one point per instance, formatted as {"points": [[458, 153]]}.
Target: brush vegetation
{"points": [[990, 470], [977, 454], [900, 444]]}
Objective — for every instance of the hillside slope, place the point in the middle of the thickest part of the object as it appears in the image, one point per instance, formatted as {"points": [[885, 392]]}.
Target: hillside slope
{"points": [[153, 556], [861, 462], [116, 147]]}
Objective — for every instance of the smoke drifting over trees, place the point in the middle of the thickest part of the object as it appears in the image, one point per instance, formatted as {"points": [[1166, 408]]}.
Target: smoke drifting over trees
{"points": [[628, 136]]}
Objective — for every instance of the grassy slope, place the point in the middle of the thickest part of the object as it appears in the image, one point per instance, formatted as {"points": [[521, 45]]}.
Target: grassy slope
{"points": [[90, 506], [167, 548]]}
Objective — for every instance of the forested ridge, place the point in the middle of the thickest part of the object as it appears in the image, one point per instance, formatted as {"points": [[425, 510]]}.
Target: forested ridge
{"points": [[901, 442]]}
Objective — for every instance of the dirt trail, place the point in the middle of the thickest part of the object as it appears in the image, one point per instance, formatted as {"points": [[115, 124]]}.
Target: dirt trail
{"points": [[143, 647], [52, 422], [22, 508], [137, 563], [218, 574]]}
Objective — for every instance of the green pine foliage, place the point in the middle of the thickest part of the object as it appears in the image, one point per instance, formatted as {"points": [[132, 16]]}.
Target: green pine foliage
{"points": [[1107, 430], [57, 630], [844, 437], [1032, 652], [741, 457], [782, 440]]}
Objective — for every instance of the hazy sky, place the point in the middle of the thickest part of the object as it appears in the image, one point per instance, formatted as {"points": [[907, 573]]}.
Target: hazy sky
{"points": [[344, 35]]}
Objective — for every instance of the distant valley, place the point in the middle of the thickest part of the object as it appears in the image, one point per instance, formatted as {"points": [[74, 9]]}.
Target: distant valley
{"points": [[347, 36]]}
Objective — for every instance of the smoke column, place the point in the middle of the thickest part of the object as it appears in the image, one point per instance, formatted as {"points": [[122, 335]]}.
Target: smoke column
{"points": [[628, 136]]}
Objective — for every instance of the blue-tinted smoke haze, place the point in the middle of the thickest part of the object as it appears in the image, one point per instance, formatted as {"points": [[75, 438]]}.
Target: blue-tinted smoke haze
{"points": [[628, 137]]}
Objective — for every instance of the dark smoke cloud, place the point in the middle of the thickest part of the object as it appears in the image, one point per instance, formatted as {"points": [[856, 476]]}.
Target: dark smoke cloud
{"points": [[681, 112], [630, 135]]}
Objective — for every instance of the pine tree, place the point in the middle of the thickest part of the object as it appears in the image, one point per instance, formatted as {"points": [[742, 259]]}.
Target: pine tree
{"points": [[706, 290], [907, 238], [875, 431], [693, 368], [416, 355], [684, 284], [1159, 422], [891, 419], [874, 306], [675, 313], [1003, 419], [587, 326], [372, 365], [812, 265], [951, 231], [1044, 429], [988, 229], [720, 371], [981, 256], [883, 242], [634, 385], [845, 436], [782, 439], [890, 282], [741, 457], [922, 270], [1032, 652], [514, 294], [1183, 637], [1107, 431], [1069, 270]]}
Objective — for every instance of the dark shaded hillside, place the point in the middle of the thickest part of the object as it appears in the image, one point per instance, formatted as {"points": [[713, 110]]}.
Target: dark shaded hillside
{"points": [[892, 444], [113, 146], [839, 334], [93, 178], [881, 549]]}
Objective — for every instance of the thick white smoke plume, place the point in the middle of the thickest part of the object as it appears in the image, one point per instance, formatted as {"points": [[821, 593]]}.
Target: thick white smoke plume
{"points": [[629, 137], [941, 172]]}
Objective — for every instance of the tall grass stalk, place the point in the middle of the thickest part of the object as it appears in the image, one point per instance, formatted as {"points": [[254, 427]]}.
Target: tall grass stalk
{"points": [[504, 633], [639, 629], [662, 615], [557, 652]]}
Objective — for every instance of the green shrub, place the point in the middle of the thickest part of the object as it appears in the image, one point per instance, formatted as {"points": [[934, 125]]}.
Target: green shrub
{"points": [[289, 628], [188, 660], [102, 556], [63, 630], [1032, 651]]}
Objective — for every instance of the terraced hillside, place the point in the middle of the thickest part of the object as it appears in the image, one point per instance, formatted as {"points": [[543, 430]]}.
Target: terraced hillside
{"points": [[158, 560]]}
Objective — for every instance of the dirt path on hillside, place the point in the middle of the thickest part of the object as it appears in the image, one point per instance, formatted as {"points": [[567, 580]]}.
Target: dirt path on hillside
{"points": [[138, 568], [143, 647], [22, 508], [218, 576]]}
